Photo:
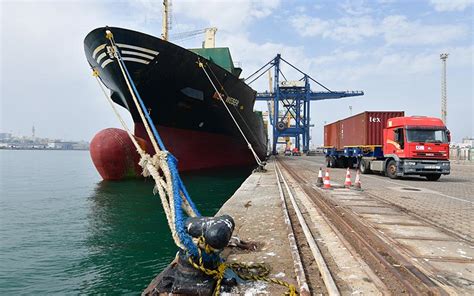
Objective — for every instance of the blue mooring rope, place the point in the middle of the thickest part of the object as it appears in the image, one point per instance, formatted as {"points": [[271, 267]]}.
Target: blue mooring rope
{"points": [[142, 105], [178, 185]]}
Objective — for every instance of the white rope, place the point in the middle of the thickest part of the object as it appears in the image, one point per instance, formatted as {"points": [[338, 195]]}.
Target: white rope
{"points": [[151, 165], [163, 165], [150, 168], [137, 104], [249, 145]]}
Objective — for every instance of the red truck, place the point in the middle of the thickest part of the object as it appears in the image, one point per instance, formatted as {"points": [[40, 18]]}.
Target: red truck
{"points": [[389, 143]]}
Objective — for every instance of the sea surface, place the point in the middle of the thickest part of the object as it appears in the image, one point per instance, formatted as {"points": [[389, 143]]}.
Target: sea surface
{"points": [[65, 231]]}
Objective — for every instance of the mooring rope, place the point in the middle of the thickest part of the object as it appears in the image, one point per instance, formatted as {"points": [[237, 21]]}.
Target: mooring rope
{"points": [[146, 162], [249, 145], [237, 110], [162, 166], [149, 125]]}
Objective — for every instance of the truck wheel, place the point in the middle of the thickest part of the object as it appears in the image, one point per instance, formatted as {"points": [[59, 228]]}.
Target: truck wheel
{"points": [[433, 177], [350, 163], [344, 163], [332, 162], [392, 169], [364, 167]]}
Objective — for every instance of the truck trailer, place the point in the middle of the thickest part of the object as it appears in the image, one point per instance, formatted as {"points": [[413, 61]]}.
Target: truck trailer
{"points": [[390, 143]]}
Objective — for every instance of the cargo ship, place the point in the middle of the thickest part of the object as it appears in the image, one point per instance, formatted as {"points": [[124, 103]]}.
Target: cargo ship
{"points": [[187, 111]]}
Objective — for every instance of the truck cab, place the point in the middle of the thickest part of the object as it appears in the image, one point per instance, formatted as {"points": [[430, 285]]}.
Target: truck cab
{"points": [[415, 145]]}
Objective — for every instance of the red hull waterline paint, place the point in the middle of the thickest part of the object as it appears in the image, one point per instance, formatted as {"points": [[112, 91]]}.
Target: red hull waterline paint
{"points": [[116, 158]]}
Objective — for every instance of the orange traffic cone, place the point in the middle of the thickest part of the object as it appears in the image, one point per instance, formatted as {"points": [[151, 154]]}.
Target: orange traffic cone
{"points": [[347, 182], [319, 182], [327, 182], [357, 183]]}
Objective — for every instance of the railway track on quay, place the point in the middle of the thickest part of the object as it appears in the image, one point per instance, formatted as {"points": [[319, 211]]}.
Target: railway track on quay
{"points": [[310, 277], [391, 271]]}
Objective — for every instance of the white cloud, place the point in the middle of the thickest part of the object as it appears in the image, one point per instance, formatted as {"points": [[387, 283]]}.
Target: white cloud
{"points": [[354, 29], [384, 62], [356, 7], [395, 29], [308, 27], [338, 56], [226, 15], [451, 5], [345, 29]]}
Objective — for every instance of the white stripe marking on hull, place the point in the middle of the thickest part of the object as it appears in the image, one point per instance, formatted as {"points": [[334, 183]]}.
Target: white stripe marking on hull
{"points": [[101, 56], [106, 62], [136, 60], [97, 49], [137, 48], [127, 52]]}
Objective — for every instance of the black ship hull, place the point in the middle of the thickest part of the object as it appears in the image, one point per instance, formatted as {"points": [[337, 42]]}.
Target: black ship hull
{"points": [[193, 122]]}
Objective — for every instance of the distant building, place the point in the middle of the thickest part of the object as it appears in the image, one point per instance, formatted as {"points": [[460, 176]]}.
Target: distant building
{"points": [[61, 145], [5, 136], [80, 145], [468, 142], [8, 141]]}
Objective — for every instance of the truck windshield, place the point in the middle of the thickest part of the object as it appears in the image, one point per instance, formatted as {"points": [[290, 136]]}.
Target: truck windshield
{"points": [[427, 136]]}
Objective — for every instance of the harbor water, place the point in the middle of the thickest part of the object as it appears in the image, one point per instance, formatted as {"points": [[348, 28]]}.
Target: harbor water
{"points": [[65, 231]]}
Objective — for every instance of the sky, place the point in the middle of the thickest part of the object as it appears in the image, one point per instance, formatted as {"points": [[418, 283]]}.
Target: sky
{"points": [[389, 49]]}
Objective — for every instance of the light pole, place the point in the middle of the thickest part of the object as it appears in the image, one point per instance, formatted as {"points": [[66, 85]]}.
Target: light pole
{"points": [[444, 99]]}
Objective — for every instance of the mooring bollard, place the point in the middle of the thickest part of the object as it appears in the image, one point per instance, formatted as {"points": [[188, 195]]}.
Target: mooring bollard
{"points": [[186, 275]]}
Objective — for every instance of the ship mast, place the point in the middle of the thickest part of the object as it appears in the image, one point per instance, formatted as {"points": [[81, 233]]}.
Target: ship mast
{"points": [[164, 35]]}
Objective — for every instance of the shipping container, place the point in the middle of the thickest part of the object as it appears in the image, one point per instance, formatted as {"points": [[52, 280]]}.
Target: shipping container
{"points": [[331, 132], [359, 130]]}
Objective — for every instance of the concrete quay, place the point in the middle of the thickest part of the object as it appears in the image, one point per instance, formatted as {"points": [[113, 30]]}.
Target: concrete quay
{"points": [[393, 237], [422, 228], [257, 212], [404, 236]]}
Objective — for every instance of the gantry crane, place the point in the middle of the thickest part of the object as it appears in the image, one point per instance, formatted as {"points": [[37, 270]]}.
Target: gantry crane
{"points": [[293, 99]]}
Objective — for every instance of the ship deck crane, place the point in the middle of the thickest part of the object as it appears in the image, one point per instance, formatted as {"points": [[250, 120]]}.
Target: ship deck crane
{"points": [[293, 99]]}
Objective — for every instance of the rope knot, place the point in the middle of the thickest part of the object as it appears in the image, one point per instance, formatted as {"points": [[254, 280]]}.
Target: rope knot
{"points": [[144, 160]]}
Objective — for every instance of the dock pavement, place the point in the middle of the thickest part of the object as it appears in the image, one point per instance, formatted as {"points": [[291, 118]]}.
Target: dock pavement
{"points": [[404, 236]]}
